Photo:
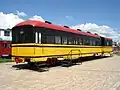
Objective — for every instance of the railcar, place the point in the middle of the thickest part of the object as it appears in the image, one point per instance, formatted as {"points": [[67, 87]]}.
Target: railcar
{"points": [[44, 42], [5, 48], [116, 48]]}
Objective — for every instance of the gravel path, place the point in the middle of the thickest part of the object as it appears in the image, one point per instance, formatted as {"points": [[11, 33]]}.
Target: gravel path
{"points": [[100, 74]]}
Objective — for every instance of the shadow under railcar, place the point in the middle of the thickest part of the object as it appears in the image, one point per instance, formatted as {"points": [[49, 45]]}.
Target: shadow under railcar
{"points": [[44, 68]]}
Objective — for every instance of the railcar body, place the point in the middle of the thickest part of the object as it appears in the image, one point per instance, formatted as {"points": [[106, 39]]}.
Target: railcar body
{"points": [[5, 48], [35, 41]]}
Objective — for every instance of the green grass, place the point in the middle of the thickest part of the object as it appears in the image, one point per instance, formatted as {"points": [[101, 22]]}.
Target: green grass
{"points": [[117, 53], [5, 60]]}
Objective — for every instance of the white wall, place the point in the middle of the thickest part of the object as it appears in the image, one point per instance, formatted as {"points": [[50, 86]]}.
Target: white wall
{"points": [[5, 37]]}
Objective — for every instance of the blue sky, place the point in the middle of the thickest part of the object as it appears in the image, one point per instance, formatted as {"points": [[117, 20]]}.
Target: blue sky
{"points": [[68, 12]]}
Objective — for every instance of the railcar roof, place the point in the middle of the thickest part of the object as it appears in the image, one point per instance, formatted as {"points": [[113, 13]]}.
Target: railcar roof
{"points": [[108, 38], [55, 27]]}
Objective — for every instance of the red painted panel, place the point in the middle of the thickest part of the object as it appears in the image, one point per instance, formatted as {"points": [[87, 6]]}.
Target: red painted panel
{"points": [[55, 27], [5, 50], [108, 38]]}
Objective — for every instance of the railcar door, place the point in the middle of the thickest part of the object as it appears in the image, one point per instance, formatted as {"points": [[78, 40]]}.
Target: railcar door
{"points": [[5, 52]]}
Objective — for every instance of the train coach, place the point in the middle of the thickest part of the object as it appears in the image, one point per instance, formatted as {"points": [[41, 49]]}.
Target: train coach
{"points": [[34, 41], [5, 48]]}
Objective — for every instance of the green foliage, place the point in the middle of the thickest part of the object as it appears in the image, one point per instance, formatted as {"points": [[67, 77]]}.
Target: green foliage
{"points": [[5, 60], [117, 53]]}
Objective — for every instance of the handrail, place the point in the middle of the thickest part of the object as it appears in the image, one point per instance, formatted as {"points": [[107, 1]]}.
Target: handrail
{"points": [[72, 51]]}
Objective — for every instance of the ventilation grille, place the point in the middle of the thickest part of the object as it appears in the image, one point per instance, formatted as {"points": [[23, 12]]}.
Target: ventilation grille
{"points": [[88, 32], [66, 26], [96, 34], [48, 22], [79, 30]]}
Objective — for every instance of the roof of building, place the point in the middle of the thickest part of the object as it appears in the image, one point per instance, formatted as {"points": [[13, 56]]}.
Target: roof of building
{"points": [[5, 29]]}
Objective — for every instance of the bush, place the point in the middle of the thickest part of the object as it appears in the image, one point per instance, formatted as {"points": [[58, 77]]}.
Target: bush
{"points": [[117, 53], [5, 60]]}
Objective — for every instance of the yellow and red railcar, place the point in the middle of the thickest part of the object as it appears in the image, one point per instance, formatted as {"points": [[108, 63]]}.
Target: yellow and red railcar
{"points": [[35, 41]]}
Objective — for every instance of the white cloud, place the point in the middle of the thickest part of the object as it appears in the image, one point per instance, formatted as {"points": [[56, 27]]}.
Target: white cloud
{"points": [[8, 20], [21, 13], [101, 30], [39, 18]]}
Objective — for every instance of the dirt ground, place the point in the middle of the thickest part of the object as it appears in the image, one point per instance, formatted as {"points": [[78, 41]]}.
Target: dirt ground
{"points": [[99, 74]]}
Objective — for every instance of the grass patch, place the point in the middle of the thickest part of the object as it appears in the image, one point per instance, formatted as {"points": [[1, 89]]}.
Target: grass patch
{"points": [[5, 60], [117, 53]]}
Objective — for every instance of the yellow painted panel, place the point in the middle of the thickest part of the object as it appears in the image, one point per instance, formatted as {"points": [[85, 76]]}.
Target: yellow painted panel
{"points": [[107, 49], [38, 59], [48, 51], [23, 51], [38, 51]]}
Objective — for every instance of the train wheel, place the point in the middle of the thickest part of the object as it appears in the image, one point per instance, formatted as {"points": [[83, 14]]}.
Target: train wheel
{"points": [[48, 62], [54, 61], [31, 64], [102, 54], [51, 61], [111, 54]]}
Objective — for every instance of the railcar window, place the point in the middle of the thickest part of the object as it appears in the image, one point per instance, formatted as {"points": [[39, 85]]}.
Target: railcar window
{"points": [[50, 39], [58, 39], [76, 41], [90, 42], [80, 41], [4, 45], [98, 42], [70, 40], [87, 42], [6, 33], [43, 39], [107, 43], [84, 41], [110, 42], [23, 35], [9, 45], [93, 43], [64, 40]]}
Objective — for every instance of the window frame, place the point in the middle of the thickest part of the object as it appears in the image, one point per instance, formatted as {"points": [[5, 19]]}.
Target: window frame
{"points": [[59, 39], [4, 45], [18, 38], [6, 33]]}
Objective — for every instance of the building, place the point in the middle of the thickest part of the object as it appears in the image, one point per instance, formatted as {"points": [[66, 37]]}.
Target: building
{"points": [[116, 46], [6, 34]]}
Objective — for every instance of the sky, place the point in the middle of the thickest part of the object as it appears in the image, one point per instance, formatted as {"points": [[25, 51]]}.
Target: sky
{"points": [[101, 16]]}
